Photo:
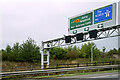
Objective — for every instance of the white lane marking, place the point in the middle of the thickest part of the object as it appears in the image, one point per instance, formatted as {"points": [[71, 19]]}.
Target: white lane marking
{"points": [[104, 76]]}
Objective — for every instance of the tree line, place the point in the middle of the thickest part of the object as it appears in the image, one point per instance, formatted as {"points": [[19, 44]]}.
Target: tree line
{"points": [[29, 51]]}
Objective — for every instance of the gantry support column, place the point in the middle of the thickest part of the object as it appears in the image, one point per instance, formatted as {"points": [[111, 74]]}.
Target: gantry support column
{"points": [[48, 55], [42, 60], [42, 57]]}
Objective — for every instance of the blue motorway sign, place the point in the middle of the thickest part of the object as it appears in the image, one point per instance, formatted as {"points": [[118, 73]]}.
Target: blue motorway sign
{"points": [[103, 14]]}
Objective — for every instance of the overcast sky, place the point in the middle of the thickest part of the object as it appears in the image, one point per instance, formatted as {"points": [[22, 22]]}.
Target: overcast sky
{"points": [[43, 19]]}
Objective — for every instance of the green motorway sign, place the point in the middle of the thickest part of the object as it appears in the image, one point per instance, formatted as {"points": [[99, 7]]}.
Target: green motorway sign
{"points": [[81, 21]]}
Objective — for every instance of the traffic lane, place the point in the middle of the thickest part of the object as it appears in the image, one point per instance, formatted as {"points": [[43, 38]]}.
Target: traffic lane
{"points": [[67, 79], [99, 75], [106, 76]]}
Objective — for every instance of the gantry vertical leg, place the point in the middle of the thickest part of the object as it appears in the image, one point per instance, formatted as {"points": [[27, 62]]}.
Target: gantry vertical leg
{"points": [[119, 38], [42, 60], [48, 55]]}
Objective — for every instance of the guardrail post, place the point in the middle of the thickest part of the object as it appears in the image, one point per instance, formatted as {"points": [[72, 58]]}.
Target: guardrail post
{"points": [[77, 64], [95, 63], [102, 63], [67, 72], [12, 68], [31, 68], [48, 74], [45, 66], [83, 70], [57, 66], [86, 64], [112, 68], [16, 68], [98, 70], [109, 63]]}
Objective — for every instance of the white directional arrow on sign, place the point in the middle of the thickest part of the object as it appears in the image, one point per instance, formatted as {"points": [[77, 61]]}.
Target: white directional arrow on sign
{"points": [[107, 13]]}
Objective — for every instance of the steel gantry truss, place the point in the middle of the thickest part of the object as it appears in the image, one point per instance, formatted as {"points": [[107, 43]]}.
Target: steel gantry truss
{"points": [[103, 33]]}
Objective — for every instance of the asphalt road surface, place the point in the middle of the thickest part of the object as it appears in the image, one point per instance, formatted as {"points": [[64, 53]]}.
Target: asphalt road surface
{"points": [[101, 75]]}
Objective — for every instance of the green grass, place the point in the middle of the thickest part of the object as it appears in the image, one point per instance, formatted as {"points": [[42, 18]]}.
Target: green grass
{"points": [[73, 74], [13, 79]]}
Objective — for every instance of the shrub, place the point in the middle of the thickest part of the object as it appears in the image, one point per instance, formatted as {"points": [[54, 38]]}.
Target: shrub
{"points": [[111, 52], [57, 53], [72, 55]]}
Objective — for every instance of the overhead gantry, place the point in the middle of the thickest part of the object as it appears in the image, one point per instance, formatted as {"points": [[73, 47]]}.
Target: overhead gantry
{"points": [[98, 34]]}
